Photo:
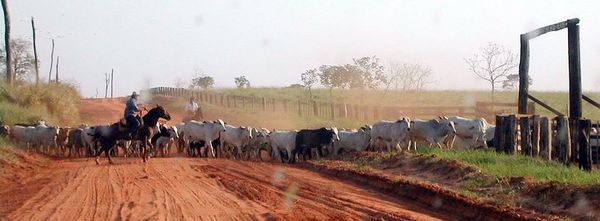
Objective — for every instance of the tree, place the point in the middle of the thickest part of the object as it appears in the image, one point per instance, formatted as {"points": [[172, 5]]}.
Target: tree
{"points": [[242, 82], [203, 81], [309, 79], [369, 71], [408, 76], [22, 61], [332, 76], [492, 63]]}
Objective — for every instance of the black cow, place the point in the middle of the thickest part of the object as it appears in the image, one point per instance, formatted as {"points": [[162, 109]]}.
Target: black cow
{"points": [[196, 145], [317, 138]]}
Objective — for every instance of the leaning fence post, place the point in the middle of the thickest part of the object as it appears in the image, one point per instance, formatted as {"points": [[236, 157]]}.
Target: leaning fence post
{"points": [[525, 136], [585, 152], [545, 138]]}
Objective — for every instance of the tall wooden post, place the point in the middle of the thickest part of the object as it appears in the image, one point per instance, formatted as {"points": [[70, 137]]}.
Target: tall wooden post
{"points": [[523, 75], [112, 77], [574, 70], [10, 75], [35, 58], [56, 76], [51, 62]]}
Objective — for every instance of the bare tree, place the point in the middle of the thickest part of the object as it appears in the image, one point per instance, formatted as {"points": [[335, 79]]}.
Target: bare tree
{"points": [[9, 72], [309, 79], [106, 84], [22, 61], [408, 76], [492, 63]]}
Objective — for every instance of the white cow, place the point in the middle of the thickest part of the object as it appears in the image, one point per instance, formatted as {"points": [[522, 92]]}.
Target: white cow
{"points": [[235, 137], [283, 141], [45, 136], [433, 131], [472, 131], [393, 133], [206, 131], [353, 140], [260, 140]]}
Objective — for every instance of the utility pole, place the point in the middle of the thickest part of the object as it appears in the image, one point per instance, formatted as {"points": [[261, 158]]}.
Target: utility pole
{"points": [[51, 62], [56, 77], [37, 69], [112, 77], [10, 75]]}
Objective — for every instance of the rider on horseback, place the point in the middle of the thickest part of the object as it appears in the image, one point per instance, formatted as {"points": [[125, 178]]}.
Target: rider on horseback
{"points": [[131, 109], [193, 111]]}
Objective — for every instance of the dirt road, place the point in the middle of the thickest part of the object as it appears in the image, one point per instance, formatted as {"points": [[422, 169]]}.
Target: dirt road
{"points": [[200, 189]]}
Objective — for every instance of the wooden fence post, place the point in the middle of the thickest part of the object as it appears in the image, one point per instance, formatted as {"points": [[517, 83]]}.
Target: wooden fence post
{"points": [[299, 108], [253, 99], [545, 138], [315, 108], [585, 152], [235, 101], [356, 111], [498, 135], [264, 104], [222, 100], [574, 132], [274, 104], [563, 144], [535, 135], [511, 133], [285, 105], [332, 105], [525, 129], [243, 102]]}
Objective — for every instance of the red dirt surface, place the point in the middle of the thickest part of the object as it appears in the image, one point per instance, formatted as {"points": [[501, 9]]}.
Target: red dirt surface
{"points": [[193, 189]]}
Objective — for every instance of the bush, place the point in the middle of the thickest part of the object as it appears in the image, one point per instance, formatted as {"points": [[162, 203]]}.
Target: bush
{"points": [[27, 103]]}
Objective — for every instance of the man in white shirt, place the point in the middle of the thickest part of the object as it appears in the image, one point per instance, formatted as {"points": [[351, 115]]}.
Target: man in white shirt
{"points": [[193, 111]]}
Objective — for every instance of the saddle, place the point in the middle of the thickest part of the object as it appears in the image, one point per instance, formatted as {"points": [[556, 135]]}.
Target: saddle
{"points": [[123, 123]]}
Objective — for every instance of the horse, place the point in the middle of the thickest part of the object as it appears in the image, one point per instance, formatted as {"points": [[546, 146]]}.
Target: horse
{"points": [[109, 136]]}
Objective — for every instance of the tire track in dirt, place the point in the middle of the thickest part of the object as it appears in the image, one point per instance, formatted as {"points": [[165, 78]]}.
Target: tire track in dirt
{"points": [[200, 189]]}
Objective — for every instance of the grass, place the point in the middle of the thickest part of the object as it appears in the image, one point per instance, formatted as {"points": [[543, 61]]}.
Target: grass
{"points": [[503, 165], [558, 100], [56, 104]]}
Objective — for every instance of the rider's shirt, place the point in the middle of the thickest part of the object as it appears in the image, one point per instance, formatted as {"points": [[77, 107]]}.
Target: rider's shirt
{"points": [[131, 107], [191, 107]]}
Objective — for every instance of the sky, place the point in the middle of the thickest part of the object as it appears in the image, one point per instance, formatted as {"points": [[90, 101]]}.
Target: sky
{"points": [[164, 43]]}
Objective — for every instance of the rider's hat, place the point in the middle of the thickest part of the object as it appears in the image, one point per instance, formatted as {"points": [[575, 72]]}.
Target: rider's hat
{"points": [[134, 94]]}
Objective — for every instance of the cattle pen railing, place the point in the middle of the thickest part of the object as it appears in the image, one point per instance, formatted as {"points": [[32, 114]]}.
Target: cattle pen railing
{"points": [[550, 139], [335, 110]]}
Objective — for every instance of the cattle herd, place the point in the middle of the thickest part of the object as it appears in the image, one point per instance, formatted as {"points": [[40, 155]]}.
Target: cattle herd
{"points": [[219, 139]]}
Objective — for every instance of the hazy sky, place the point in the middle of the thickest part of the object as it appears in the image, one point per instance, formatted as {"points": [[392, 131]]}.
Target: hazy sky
{"points": [[272, 42]]}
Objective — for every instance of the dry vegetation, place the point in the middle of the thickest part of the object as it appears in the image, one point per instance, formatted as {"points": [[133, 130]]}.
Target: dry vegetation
{"points": [[57, 104]]}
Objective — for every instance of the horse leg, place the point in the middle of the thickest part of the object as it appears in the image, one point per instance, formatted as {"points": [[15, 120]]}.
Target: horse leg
{"points": [[108, 154]]}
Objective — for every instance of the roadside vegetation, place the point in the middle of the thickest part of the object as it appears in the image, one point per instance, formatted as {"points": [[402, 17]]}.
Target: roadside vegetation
{"points": [[57, 104], [504, 165]]}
